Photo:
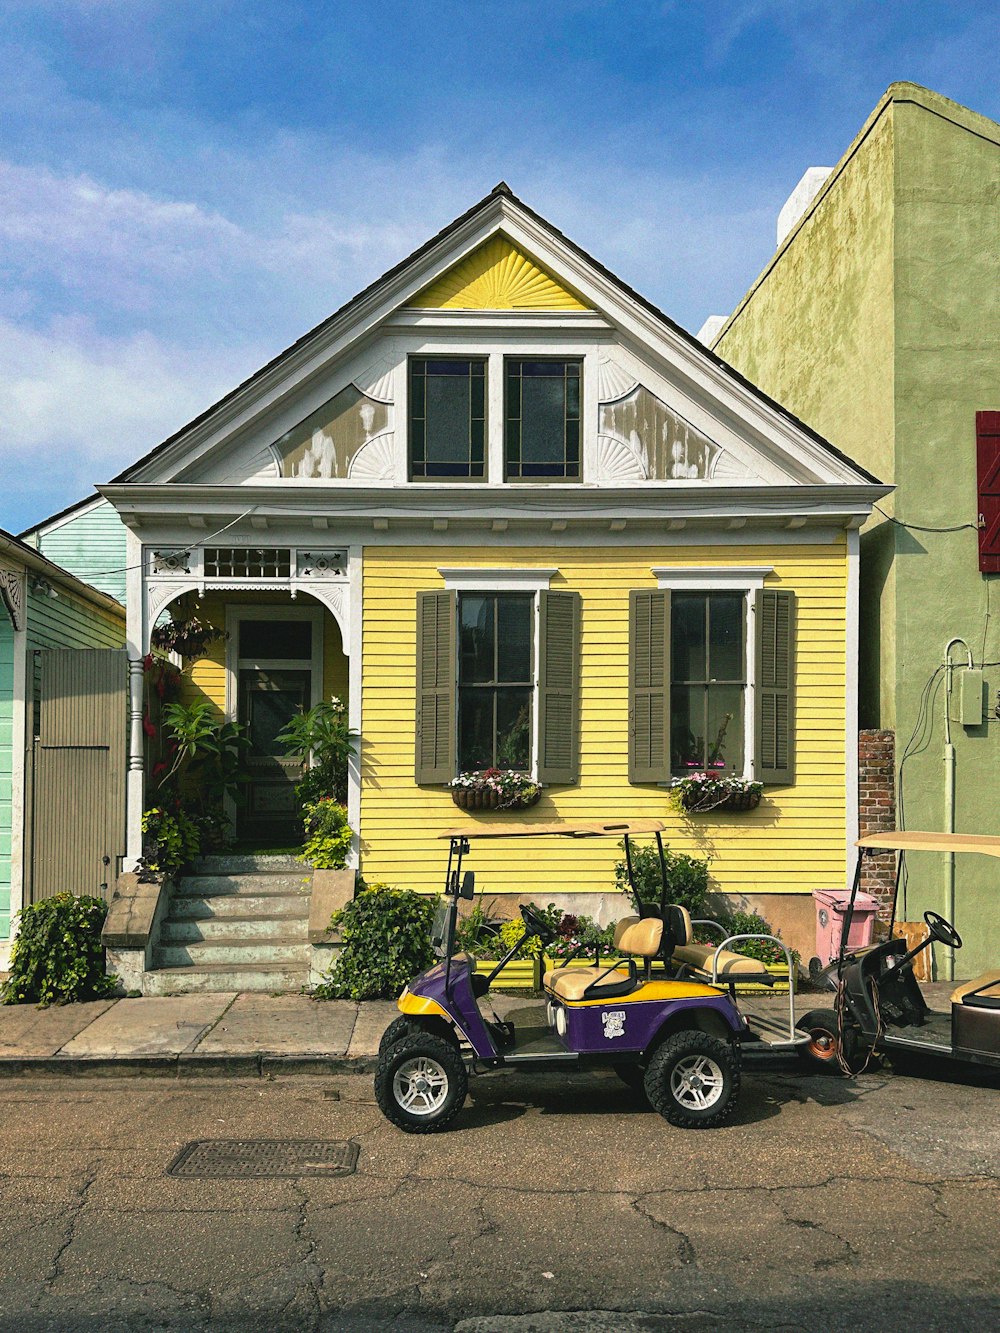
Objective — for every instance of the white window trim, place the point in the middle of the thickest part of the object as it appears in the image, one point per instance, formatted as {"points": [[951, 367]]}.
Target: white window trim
{"points": [[508, 580], [744, 579], [497, 580]]}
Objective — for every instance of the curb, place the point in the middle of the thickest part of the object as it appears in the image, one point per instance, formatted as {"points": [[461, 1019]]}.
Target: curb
{"points": [[187, 1065]]}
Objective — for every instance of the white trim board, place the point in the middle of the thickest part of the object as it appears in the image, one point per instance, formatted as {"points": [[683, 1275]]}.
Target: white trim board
{"points": [[497, 580], [712, 579]]}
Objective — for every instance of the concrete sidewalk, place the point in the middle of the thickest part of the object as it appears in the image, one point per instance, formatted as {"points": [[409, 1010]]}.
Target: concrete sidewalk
{"points": [[244, 1034], [224, 1033]]}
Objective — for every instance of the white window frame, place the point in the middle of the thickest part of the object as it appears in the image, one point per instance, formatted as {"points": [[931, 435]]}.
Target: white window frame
{"points": [[746, 580], [506, 580]]}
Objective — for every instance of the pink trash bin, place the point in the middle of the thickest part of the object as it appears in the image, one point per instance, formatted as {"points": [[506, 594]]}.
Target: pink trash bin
{"points": [[831, 908]]}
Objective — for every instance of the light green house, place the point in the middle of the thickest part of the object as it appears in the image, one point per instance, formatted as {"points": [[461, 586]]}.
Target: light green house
{"points": [[877, 322], [51, 815]]}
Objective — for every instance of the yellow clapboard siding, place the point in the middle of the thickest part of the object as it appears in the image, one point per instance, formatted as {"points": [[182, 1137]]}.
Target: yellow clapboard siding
{"points": [[794, 842]]}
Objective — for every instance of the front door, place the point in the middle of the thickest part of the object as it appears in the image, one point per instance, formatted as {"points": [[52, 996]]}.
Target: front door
{"points": [[277, 677]]}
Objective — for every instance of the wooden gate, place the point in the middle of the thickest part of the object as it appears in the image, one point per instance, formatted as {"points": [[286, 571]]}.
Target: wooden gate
{"points": [[76, 777]]}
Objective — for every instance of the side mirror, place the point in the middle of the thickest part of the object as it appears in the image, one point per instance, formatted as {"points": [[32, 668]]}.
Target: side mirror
{"points": [[469, 885]]}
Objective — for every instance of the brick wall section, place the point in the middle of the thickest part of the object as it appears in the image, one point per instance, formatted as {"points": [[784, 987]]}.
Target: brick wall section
{"points": [[877, 811]]}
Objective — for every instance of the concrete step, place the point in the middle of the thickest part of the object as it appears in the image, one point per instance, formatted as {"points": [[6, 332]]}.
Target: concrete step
{"points": [[239, 906], [261, 950], [226, 977], [245, 865], [248, 929], [256, 883]]}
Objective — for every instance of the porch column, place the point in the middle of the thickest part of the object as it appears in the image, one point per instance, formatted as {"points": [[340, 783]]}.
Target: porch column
{"points": [[136, 761]]}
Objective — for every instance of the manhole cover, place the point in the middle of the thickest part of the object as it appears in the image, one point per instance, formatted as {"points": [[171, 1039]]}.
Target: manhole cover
{"points": [[253, 1158]]}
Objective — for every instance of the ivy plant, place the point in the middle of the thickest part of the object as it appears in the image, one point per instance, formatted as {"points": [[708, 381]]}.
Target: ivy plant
{"points": [[57, 954], [386, 942], [170, 839]]}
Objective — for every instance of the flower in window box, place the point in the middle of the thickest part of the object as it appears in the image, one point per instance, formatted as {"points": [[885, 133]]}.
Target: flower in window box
{"points": [[700, 792], [494, 789]]}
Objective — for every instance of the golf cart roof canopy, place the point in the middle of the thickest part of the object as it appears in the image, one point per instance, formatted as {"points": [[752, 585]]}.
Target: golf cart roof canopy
{"points": [[897, 841], [611, 829]]}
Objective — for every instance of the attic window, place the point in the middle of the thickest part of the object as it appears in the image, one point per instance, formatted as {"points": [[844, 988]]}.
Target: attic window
{"points": [[542, 409], [447, 418]]}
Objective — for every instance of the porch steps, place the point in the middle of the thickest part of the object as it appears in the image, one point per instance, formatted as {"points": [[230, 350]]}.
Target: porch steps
{"points": [[237, 923]]}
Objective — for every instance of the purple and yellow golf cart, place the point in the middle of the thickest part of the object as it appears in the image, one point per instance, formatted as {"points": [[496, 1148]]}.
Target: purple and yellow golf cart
{"points": [[674, 1032]]}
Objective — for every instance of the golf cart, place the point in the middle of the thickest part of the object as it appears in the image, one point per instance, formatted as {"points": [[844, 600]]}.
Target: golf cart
{"points": [[675, 1033], [878, 1005]]}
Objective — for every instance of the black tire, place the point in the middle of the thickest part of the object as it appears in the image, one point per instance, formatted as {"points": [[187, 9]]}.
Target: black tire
{"points": [[398, 1029], [711, 1064], [821, 1054], [399, 1067], [632, 1075]]}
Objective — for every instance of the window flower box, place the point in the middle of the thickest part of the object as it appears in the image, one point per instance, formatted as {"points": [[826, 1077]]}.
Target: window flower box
{"points": [[700, 793], [494, 789]]}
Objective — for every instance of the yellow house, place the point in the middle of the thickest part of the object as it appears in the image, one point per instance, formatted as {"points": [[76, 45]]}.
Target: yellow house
{"points": [[519, 518]]}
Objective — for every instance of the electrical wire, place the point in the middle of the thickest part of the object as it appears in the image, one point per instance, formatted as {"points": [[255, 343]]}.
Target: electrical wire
{"points": [[920, 527]]}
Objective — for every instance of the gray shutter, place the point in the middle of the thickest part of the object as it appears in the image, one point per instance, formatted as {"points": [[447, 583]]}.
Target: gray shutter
{"points": [[774, 760], [434, 759], [649, 687], [559, 687]]}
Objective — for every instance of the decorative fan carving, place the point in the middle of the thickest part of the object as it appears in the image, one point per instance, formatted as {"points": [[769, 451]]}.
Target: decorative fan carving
{"points": [[613, 380], [375, 461], [621, 460], [731, 470], [12, 596], [496, 276], [376, 381]]}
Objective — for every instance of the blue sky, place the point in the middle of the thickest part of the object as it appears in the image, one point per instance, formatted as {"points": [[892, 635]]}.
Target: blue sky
{"points": [[186, 186]]}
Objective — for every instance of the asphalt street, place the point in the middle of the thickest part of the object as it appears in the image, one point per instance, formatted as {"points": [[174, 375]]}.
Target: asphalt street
{"points": [[558, 1202]]}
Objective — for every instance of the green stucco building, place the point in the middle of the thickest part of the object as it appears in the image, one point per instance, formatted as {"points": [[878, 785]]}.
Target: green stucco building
{"points": [[877, 322]]}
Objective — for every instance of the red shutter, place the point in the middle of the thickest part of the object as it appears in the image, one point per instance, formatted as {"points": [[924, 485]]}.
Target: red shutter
{"points": [[988, 476]]}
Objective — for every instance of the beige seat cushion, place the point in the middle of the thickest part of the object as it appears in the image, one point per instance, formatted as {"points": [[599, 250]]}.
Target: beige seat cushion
{"points": [[569, 983], [728, 965], [639, 935], [977, 983]]}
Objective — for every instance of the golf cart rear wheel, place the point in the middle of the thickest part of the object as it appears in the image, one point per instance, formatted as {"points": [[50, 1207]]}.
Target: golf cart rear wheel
{"points": [[821, 1053], [421, 1083], [693, 1080]]}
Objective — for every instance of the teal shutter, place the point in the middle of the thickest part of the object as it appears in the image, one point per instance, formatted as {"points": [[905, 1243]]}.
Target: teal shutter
{"points": [[649, 686], [774, 760], [559, 687], [434, 760]]}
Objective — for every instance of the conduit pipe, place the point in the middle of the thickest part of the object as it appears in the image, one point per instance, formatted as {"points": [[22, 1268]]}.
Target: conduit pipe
{"points": [[949, 791]]}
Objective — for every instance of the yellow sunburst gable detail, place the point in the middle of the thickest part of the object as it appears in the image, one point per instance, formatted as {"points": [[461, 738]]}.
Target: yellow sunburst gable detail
{"points": [[496, 276]]}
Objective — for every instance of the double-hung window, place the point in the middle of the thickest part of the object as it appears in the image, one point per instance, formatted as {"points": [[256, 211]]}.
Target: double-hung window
{"points": [[447, 397], [497, 679], [711, 678]]}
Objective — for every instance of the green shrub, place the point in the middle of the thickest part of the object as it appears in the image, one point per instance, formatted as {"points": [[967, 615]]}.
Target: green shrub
{"points": [[736, 922], [57, 955], [170, 839], [512, 931], [328, 834], [687, 878], [386, 942], [322, 734]]}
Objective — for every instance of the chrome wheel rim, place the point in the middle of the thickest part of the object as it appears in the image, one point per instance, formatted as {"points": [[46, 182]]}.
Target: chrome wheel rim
{"points": [[420, 1086], [697, 1082]]}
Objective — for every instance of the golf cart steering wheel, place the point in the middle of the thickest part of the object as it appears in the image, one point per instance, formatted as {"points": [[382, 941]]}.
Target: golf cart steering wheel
{"points": [[535, 924], [942, 931]]}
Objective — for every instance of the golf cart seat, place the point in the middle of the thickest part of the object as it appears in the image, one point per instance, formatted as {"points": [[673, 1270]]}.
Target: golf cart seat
{"points": [[640, 937], [697, 958], [983, 992]]}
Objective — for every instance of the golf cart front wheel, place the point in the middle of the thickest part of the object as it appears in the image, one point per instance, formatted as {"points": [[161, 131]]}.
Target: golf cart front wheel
{"points": [[421, 1083], [693, 1080]]}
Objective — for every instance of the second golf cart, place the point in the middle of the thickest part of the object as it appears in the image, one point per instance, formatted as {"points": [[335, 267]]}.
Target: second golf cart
{"points": [[677, 1033]]}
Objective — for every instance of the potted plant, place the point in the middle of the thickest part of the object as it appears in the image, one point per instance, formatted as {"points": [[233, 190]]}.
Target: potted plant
{"points": [[697, 793], [188, 637], [494, 789]]}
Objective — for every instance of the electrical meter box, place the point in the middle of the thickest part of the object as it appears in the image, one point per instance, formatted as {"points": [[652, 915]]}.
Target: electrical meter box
{"points": [[970, 698]]}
